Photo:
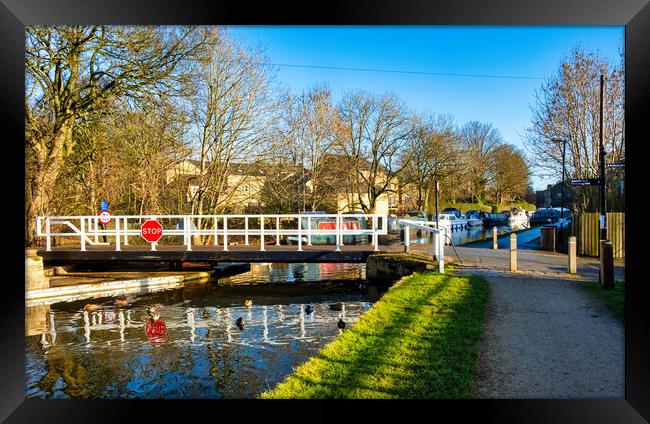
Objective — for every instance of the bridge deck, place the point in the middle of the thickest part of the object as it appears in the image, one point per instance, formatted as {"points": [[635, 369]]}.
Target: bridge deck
{"points": [[235, 253]]}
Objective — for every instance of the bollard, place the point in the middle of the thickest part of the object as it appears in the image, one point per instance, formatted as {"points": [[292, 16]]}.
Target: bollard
{"points": [[606, 264], [572, 255], [495, 242], [513, 252]]}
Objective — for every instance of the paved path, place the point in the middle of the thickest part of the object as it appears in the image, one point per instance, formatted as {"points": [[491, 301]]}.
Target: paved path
{"points": [[547, 337], [527, 260]]}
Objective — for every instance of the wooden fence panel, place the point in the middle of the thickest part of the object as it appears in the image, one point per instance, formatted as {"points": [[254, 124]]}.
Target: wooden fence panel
{"points": [[588, 233]]}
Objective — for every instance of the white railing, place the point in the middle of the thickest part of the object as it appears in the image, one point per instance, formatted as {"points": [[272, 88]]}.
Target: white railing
{"points": [[89, 230], [439, 236]]}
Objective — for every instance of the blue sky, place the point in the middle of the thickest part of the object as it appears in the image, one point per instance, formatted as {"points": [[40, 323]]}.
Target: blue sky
{"points": [[511, 51]]}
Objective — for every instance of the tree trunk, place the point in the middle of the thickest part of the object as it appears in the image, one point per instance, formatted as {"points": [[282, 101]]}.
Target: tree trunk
{"points": [[43, 184]]}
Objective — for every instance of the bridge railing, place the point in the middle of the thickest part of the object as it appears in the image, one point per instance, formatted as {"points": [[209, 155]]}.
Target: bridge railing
{"points": [[89, 229], [439, 235]]}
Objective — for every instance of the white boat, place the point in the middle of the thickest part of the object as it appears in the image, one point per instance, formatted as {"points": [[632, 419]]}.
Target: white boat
{"points": [[518, 218], [451, 221]]}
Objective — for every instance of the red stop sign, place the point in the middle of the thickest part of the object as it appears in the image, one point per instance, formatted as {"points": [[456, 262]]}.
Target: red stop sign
{"points": [[151, 230]]}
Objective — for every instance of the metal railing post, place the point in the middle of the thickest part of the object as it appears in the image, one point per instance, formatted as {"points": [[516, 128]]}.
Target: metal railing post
{"points": [[96, 227], [309, 231], [154, 245], [441, 255], [375, 237], [407, 238], [246, 231], [83, 234], [188, 233], [338, 233], [299, 233], [117, 234], [216, 236], [126, 232], [262, 233], [225, 233], [277, 230], [48, 237], [342, 230]]}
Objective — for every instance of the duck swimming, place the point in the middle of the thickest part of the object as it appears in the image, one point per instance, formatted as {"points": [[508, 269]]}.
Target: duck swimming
{"points": [[240, 323], [248, 303]]}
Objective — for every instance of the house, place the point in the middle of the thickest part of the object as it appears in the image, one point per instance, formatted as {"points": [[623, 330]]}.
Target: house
{"points": [[241, 183]]}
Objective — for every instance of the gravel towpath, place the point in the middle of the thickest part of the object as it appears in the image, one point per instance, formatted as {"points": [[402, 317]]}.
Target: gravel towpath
{"points": [[547, 337]]}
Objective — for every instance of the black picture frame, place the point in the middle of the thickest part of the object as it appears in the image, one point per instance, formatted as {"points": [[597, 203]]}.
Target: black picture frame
{"points": [[634, 14]]}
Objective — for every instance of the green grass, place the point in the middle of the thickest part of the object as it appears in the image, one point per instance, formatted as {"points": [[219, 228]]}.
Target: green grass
{"points": [[614, 298], [420, 340]]}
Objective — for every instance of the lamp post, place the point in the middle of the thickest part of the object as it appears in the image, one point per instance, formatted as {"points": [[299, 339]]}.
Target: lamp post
{"points": [[563, 141]]}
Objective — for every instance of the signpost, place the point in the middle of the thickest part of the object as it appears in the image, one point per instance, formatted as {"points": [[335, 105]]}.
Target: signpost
{"points": [[105, 217], [586, 182]]}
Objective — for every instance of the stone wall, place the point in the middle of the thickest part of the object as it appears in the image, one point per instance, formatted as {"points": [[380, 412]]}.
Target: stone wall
{"points": [[383, 268], [34, 274]]}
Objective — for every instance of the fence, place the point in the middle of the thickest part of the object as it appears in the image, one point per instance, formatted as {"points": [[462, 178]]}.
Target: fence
{"points": [[88, 231], [587, 232]]}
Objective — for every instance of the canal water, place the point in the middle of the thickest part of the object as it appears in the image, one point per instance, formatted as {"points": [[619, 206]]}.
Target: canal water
{"points": [[193, 346], [470, 234]]}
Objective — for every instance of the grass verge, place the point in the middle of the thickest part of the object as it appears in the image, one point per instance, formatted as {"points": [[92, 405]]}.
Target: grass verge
{"points": [[614, 298], [420, 340]]}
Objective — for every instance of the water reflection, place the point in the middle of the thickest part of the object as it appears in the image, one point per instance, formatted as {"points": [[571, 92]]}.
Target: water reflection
{"points": [[461, 236], [110, 353]]}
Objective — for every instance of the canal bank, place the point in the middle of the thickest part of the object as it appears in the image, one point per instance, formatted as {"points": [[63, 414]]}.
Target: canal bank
{"points": [[420, 340]]}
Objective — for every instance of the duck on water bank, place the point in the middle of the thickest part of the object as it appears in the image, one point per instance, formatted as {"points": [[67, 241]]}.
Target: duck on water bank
{"points": [[340, 324]]}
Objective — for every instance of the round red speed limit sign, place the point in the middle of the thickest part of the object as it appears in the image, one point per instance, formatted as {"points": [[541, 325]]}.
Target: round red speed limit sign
{"points": [[105, 217], [151, 231]]}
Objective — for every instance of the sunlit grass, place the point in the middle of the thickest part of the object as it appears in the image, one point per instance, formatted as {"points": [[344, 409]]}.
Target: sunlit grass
{"points": [[419, 341]]}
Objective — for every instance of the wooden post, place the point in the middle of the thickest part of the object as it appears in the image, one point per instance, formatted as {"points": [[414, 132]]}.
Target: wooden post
{"points": [[606, 264], [513, 252], [572, 255], [495, 241]]}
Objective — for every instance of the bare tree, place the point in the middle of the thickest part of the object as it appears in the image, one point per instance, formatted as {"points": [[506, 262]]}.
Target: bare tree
{"points": [[431, 154], [307, 134], [232, 113], [372, 133], [73, 72], [478, 141], [567, 107]]}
